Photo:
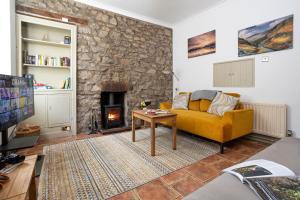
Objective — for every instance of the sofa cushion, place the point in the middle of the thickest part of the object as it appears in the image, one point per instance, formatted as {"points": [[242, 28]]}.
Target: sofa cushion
{"points": [[181, 101], [194, 105], [222, 103], [200, 123], [167, 105], [204, 105], [238, 105]]}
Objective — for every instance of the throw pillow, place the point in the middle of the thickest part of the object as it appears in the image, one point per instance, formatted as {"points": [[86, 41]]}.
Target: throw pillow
{"points": [[204, 105], [181, 101], [194, 105], [222, 103]]}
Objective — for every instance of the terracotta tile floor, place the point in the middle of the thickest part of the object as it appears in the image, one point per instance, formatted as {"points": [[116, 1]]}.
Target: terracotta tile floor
{"points": [[180, 183]]}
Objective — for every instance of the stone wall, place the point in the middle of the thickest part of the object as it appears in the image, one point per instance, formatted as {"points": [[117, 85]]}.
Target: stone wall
{"points": [[116, 48]]}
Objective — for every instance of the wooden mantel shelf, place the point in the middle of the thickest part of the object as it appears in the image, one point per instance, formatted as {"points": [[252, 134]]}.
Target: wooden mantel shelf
{"points": [[43, 13]]}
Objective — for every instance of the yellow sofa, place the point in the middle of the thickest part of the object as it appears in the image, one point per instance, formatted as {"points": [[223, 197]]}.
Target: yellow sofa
{"points": [[196, 120]]}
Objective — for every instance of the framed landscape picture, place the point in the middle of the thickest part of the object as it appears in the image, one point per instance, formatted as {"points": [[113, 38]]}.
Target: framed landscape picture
{"points": [[202, 44], [271, 36]]}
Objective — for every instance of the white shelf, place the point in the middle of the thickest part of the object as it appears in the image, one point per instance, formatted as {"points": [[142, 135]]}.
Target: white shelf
{"points": [[30, 33], [53, 90], [47, 66], [43, 42]]}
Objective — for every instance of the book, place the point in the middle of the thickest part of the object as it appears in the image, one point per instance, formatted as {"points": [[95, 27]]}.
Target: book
{"points": [[276, 188], [67, 83], [156, 111], [258, 168], [269, 180]]}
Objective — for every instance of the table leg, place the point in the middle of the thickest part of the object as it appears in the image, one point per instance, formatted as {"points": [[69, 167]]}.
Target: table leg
{"points": [[152, 138], [133, 128], [174, 130], [32, 188]]}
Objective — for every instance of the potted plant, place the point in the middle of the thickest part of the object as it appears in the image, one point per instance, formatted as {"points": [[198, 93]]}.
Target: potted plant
{"points": [[145, 104]]}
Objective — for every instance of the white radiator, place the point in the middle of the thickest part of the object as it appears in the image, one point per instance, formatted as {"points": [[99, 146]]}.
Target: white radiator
{"points": [[269, 119]]}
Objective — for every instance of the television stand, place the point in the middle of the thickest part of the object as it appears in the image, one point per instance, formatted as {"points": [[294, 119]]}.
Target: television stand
{"points": [[19, 143], [22, 143]]}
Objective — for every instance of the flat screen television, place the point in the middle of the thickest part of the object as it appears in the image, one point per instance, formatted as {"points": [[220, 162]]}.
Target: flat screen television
{"points": [[16, 102]]}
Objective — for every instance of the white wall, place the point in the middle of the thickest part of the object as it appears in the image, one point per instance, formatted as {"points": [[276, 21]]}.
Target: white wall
{"points": [[7, 40], [7, 37], [277, 81], [105, 6]]}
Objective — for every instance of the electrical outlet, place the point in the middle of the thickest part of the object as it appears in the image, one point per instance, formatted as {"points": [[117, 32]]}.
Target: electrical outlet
{"points": [[289, 133], [265, 59]]}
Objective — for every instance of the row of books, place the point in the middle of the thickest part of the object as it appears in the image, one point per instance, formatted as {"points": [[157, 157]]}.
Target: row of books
{"points": [[67, 83], [41, 60]]}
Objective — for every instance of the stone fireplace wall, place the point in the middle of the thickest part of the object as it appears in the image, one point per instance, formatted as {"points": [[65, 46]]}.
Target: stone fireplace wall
{"points": [[116, 48]]}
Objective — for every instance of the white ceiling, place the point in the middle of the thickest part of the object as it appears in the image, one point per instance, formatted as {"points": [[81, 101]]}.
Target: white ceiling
{"points": [[164, 12]]}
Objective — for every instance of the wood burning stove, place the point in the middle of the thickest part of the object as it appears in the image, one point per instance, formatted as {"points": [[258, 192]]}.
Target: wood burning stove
{"points": [[112, 109], [113, 116]]}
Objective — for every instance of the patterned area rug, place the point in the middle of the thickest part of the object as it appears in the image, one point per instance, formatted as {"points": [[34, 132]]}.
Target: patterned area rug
{"points": [[99, 168]]}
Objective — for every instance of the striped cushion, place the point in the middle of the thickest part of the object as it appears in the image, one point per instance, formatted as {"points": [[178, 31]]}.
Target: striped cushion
{"points": [[181, 101], [222, 103]]}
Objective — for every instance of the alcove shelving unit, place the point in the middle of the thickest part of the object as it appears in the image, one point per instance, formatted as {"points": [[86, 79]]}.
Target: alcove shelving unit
{"points": [[47, 50]]}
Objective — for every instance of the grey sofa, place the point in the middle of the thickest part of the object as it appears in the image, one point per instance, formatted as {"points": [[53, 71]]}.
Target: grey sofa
{"points": [[227, 187]]}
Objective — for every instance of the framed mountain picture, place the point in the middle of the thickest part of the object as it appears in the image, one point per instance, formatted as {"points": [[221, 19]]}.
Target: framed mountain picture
{"points": [[202, 44], [271, 36]]}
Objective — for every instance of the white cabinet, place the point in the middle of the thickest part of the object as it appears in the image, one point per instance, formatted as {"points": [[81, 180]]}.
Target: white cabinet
{"points": [[53, 110], [238, 73], [40, 111], [59, 110]]}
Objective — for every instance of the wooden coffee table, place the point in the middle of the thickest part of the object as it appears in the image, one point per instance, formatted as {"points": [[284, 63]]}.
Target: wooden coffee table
{"points": [[153, 120]]}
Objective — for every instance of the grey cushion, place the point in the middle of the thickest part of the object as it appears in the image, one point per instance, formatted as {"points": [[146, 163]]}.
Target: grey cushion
{"points": [[204, 94], [227, 187]]}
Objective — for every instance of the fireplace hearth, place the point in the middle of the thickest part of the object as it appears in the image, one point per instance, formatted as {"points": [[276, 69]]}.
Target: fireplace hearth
{"points": [[112, 109]]}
